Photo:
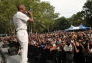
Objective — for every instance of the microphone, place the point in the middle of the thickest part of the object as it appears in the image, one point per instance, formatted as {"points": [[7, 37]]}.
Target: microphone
{"points": [[27, 12], [30, 13], [30, 9]]}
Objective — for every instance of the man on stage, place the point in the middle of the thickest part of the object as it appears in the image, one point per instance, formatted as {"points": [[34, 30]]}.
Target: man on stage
{"points": [[20, 21]]}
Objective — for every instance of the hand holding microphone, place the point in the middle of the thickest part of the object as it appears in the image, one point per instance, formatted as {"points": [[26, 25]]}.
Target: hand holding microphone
{"points": [[30, 14]]}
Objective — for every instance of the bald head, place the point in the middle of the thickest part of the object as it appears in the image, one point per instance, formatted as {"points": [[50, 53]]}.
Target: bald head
{"points": [[21, 8]]}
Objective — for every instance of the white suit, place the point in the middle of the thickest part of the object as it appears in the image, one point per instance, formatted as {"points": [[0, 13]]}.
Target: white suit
{"points": [[20, 20]]}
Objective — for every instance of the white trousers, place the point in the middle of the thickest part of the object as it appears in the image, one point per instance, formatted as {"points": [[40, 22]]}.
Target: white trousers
{"points": [[22, 36]]}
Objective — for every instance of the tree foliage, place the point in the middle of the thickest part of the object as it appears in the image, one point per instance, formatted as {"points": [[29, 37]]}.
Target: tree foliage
{"points": [[84, 16], [88, 12], [77, 19], [61, 23], [43, 14]]}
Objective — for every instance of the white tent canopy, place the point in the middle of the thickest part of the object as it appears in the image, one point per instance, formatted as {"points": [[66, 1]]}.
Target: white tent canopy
{"points": [[72, 28], [84, 27], [80, 27]]}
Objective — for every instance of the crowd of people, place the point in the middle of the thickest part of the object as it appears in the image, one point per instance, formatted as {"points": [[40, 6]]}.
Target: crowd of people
{"points": [[57, 47]]}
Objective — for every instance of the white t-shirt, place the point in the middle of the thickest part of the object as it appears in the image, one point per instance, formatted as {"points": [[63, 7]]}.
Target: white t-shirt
{"points": [[20, 21], [68, 48]]}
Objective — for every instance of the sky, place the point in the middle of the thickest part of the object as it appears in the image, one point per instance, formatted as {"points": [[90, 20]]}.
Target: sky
{"points": [[67, 8]]}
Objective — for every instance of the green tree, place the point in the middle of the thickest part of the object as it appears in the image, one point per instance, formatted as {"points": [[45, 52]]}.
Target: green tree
{"points": [[87, 8], [77, 18], [6, 13], [61, 23], [43, 14]]}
